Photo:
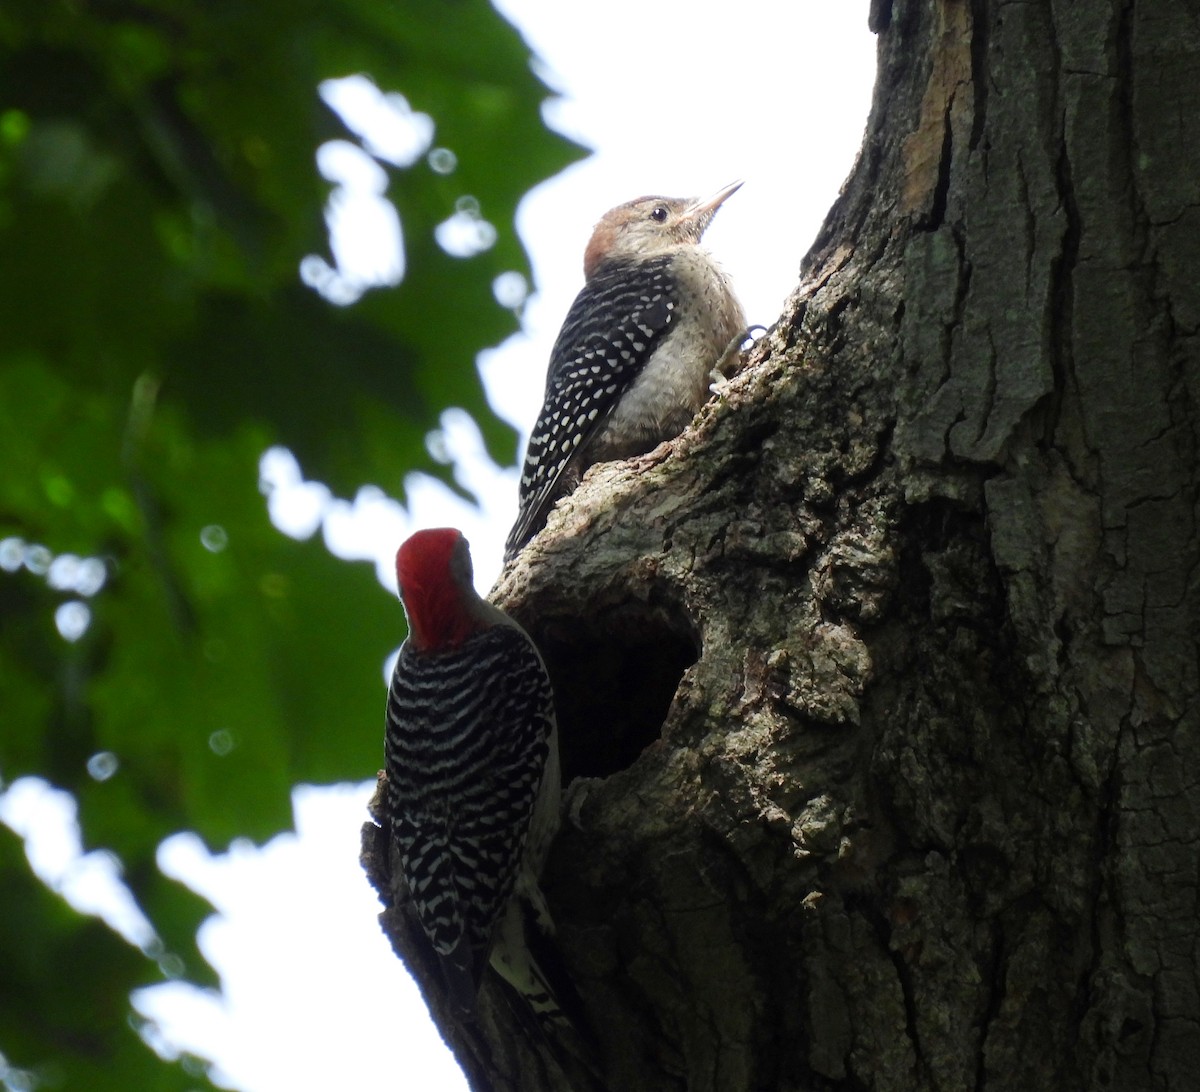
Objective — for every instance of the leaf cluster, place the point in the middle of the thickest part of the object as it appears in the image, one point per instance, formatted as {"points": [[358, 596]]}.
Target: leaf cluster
{"points": [[158, 195]]}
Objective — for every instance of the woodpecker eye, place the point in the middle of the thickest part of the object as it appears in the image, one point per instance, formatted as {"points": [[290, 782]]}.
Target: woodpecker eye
{"points": [[659, 213]]}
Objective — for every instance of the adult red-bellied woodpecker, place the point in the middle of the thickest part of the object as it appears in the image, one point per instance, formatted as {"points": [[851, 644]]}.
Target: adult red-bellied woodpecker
{"points": [[634, 358], [471, 752]]}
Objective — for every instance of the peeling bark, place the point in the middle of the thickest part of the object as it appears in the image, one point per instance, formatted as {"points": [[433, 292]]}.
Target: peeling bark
{"points": [[878, 687]]}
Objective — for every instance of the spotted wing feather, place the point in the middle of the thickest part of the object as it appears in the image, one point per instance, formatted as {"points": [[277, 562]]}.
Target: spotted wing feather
{"points": [[614, 326]]}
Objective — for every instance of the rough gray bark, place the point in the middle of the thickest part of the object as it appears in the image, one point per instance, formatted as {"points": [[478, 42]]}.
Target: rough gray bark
{"points": [[879, 686]]}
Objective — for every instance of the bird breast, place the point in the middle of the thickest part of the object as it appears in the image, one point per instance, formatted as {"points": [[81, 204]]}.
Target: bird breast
{"points": [[674, 383]]}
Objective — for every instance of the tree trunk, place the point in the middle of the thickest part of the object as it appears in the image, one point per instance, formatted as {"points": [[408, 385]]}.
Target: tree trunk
{"points": [[878, 687]]}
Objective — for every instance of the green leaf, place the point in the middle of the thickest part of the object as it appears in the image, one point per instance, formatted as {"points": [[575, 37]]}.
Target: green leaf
{"points": [[160, 179]]}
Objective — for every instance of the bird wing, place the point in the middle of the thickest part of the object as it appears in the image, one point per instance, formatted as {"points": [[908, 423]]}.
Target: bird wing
{"points": [[461, 789], [610, 332]]}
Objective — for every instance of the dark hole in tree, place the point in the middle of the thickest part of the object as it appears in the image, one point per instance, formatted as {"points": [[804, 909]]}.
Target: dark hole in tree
{"points": [[614, 678]]}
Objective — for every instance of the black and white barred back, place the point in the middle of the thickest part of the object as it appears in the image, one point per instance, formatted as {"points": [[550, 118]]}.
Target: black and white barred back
{"points": [[468, 735], [612, 329]]}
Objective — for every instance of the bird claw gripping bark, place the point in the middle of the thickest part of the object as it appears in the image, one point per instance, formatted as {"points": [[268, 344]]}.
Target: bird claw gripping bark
{"points": [[732, 358]]}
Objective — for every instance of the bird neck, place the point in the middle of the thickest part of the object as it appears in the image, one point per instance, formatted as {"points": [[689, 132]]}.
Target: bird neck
{"points": [[441, 618]]}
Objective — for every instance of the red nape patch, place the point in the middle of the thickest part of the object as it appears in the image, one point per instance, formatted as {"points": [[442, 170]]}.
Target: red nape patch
{"points": [[429, 586]]}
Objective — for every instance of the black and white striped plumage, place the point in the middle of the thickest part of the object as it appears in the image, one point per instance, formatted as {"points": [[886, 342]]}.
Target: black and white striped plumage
{"points": [[471, 759], [633, 361]]}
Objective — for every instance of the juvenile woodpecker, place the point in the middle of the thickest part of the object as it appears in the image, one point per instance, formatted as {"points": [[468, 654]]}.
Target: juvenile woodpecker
{"points": [[472, 771], [634, 358]]}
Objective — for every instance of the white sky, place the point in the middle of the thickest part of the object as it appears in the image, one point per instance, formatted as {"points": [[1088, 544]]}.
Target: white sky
{"points": [[677, 98]]}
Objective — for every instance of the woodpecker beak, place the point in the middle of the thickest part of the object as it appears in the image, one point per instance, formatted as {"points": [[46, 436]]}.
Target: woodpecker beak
{"points": [[699, 214]]}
